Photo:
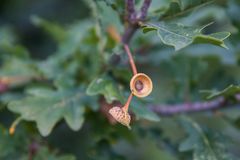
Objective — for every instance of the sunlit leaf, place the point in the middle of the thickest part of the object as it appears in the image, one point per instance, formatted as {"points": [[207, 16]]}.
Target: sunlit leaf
{"points": [[180, 36], [104, 86]]}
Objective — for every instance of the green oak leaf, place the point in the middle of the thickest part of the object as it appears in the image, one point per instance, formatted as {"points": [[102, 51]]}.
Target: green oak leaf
{"points": [[141, 111], [180, 36], [19, 71], [7, 36], [18, 67], [117, 5], [13, 50], [205, 145], [230, 91], [105, 86], [67, 47], [11, 146], [44, 152], [173, 9], [47, 107], [54, 30], [179, 8]]}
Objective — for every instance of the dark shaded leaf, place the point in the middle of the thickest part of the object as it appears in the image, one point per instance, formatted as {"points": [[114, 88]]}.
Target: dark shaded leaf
{"points": [[141, 111], [205, 146]]}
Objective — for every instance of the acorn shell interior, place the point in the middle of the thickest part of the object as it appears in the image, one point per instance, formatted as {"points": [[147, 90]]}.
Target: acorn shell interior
{"points": [[145, 81]]}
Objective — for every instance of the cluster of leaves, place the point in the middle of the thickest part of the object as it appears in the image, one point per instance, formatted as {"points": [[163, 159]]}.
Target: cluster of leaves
{"points": [[20, 146], [89, 66]]}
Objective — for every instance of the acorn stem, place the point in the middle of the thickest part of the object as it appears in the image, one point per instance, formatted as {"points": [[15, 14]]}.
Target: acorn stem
{"points": [[126, 106], [131, 61]]}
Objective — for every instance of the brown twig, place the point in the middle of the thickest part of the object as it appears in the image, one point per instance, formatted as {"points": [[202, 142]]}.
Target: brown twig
{"points": [[128, 33], [33, 149], [131, 61], [130, 9], [168, 110], [132, 20], [144, 9]]}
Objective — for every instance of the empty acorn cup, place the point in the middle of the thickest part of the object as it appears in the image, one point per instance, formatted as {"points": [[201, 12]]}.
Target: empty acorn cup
{"points": [[141, 85]]}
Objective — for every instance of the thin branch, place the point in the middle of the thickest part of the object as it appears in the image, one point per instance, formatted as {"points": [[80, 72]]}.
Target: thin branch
{"points": [[144, 9], [128, 33], [167, 110], [132, 19], [131, 61], [33, 149], [130, 8]]}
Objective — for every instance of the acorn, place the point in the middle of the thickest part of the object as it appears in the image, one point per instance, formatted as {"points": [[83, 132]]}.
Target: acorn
{"points": [[141, 85], [121, 115]]}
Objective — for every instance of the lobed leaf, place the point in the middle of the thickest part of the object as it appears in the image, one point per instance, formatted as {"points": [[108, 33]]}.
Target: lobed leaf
{"points": [[47, 107], [178, 8], [56, 31], [205, 146], [17, 72], [106, 87], [143, 112], [230, 91], [180, 36]]}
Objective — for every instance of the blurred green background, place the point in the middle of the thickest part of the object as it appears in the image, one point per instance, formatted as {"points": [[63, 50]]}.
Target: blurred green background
{"points": [[178, 77], [17, 16]]}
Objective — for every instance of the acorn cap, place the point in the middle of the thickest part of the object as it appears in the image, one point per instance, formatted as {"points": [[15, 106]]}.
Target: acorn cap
{"points": [[141, 85], [121, 116]]}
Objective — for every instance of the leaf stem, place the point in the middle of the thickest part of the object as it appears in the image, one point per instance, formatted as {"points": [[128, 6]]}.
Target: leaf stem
{"points": [[131, 61], [14, 125]]}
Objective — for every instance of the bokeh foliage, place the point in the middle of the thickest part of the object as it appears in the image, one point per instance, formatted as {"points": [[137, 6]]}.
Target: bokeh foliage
{"points": [[59, 61]]}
